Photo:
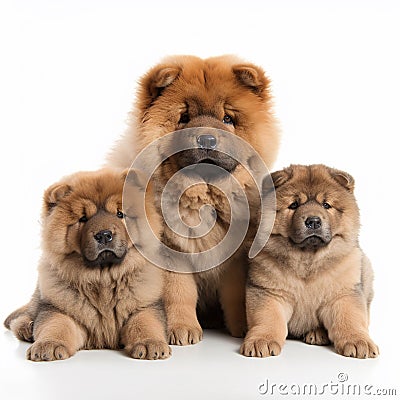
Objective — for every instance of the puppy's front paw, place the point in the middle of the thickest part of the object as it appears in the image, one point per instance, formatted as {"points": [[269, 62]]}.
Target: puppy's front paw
{"points": [[183, 335], [150, 349], [357, 346], [317, 337], [260, 347], [47, 351]]}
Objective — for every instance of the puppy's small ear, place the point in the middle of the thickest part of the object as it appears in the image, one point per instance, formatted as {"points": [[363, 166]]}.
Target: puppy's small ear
{"points": [[267, 185], [135, 191], [125, 173], [156, 80], [54, 194], [282, 176], [276, 179], [252, 77], [343, 178], [135, 178]]}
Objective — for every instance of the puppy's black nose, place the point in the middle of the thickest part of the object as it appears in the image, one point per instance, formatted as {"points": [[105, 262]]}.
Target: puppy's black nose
{"points": [[207, 141], [104, 237], [313, 222]]}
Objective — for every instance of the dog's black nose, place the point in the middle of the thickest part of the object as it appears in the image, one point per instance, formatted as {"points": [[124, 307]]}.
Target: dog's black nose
{"points": [[104, 237], [207, 141], [313, 222]]}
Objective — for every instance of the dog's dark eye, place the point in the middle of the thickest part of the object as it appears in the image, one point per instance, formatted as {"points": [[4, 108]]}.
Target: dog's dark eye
{"points": [[184, 118], [326, 205], [120, 214], [227, 119], [83, 219], [294, 205]]}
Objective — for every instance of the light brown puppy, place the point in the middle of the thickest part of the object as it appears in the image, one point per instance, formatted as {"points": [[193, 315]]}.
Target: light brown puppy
{"points": [[94, 289], [225, 93], [311, 280]]}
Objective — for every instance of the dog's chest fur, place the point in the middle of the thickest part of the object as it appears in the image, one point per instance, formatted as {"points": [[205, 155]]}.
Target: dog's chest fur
{"points": [[190, 205], [103, 302], [306, 296]]}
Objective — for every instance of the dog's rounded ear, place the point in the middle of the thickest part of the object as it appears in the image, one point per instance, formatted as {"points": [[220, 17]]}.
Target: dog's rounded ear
{"points": [[267, 185], [125, 173], [54, 194], [156, 80], [252, 77], [135, 178], [282, 176], [275, 179], [343, 178], [136, 189]]}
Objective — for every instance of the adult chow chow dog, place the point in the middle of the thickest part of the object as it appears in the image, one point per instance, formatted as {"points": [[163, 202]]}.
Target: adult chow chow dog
{"points": [[94, 289], [220, 93], [311, 280]]}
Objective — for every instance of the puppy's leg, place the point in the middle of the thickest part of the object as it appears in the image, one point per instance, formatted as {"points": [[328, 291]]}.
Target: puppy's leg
{"points": [[143, 336], [180, 299], [347, 323], [232, 297], [20, 322], [57, 337], [267, 322], [16, 314]]}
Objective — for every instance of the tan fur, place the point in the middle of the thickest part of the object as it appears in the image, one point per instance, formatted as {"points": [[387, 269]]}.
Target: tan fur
{"points": [[308, 291], [20, 322], [78, 305], [204, 91], [210, 86]]}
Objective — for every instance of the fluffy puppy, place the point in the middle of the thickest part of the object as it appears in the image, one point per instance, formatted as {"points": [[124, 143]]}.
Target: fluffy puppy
{"points": [[94, 289], [311, 280], [224, 93]]}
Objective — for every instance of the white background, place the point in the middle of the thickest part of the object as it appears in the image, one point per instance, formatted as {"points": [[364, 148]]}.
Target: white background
{"points": [[68, 73]]}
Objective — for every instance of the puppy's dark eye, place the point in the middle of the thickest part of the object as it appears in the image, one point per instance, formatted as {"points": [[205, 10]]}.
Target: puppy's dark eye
{"points": [[227, 119], [326, 205], [184, 118], [120, 214], [294, 205], [83, 219]]}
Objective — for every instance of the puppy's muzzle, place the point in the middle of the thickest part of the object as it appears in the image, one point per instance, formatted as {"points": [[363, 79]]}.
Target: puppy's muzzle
{"points": [[102, 240]]}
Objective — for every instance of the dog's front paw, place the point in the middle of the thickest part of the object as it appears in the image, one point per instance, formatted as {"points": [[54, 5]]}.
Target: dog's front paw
{"points": [[357, 346], [318, 337], [150, 349], [47, 351], [183, 335], [260, 347]]}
